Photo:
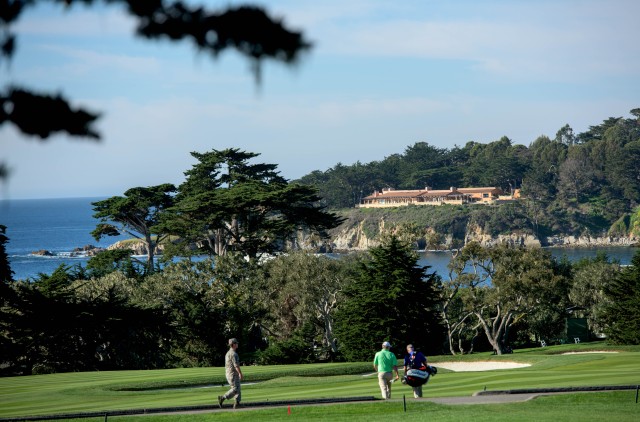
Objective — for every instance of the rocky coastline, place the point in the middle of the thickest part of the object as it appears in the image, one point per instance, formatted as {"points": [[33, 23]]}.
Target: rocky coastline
{"points": [[137, 247], [356, 239], [87, 250]]}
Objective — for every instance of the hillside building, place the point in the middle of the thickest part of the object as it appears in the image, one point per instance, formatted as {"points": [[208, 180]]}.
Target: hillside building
{"points": [[390, 197]]}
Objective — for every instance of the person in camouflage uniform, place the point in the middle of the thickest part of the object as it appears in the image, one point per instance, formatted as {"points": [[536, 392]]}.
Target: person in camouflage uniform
{"points": [[233, 374]]}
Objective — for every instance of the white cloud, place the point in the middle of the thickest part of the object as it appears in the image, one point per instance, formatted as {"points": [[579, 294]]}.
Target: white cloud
{"points": [[541, 40], [159, 102], [85, 61], [149, 143], [314, 112], [51, 21]]}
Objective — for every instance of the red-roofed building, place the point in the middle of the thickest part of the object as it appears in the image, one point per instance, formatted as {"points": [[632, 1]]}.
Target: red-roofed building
{"points": [[390, 197]]}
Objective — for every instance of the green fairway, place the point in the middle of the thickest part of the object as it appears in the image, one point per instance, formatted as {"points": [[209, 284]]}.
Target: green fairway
{"points": [[596, 407], [102, 391], [617, 406]]}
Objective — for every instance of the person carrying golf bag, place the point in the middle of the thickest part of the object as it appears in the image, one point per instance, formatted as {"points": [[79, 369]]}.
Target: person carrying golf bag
{"points": [[416, 370]]}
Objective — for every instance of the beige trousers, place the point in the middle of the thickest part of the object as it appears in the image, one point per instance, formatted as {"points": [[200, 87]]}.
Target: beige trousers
{"points": [[384, 380]]}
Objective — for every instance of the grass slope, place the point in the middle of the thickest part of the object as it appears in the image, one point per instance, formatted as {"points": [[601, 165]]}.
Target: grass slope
{"points": [[99, 391], [591, 407]]}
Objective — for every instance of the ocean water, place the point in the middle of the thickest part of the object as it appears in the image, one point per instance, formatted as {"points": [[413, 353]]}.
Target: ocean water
{"points": [[62, 225], [55, 225], [439, 260]]}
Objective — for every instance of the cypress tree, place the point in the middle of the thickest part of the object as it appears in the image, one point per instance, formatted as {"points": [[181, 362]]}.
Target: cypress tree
{"points": [[392, 298], [622, 316], [6, 274]]}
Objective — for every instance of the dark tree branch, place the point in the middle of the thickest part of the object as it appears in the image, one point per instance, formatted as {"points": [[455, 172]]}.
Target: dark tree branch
{"points": [[247, 29], [43, 115]]}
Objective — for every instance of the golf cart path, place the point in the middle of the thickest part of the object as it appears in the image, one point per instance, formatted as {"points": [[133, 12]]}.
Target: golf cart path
{"points": [[484, 397], [505, 398], [487, 397]]}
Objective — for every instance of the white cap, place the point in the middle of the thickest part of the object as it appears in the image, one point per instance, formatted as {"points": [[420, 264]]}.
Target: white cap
{"points": [[386, 344]]}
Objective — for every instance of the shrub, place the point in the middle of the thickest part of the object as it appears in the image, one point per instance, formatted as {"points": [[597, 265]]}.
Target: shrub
{"points": [[43, 368], [290, 351]]}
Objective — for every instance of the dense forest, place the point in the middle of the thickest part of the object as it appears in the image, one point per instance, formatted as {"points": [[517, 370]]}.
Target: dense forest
{"points": [[305, 308], [577, 184], [300, 307]]}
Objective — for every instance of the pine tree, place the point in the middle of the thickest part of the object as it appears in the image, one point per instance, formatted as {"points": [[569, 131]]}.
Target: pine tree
{"points": [[391, 299], [622, 316], [5, 269]]}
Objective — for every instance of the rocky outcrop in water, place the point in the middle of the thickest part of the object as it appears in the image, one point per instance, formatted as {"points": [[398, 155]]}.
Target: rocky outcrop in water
{"points": [[87, 250], [43, 252], [137, 247]]}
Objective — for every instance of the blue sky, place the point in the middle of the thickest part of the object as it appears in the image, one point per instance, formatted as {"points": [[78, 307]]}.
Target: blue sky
{"points": [[382, 75]]}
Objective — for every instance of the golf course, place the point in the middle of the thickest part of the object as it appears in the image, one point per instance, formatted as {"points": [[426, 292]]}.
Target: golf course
{"points": [[564, 366]]}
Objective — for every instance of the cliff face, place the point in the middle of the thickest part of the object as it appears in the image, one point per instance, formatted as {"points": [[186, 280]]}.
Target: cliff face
{"points": [[587, 241], [362, 235], [355, 237]]}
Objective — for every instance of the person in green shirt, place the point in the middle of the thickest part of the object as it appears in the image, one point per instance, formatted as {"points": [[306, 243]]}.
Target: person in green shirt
{"points": [[385, 363]]}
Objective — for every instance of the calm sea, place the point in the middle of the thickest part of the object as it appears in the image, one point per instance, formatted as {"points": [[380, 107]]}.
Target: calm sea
{"points": [[439, 260], [61, 225], [56, 225]]}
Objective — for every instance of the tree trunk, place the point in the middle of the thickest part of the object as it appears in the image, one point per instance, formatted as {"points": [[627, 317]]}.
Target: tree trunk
{"points": [[449, 336], [495, 330], [445, 316], [328, 335], [150, 251], [324, 311]]}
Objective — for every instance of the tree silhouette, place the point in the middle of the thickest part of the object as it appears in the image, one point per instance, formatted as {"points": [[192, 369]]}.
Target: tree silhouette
{"points": [[137, 214], [247, 29], [622, 315], [6, 274], [391, 297], [228, 204]]}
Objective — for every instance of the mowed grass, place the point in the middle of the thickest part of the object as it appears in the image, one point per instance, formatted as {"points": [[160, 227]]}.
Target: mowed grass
{"points": [[614, 406], [115, 390]]}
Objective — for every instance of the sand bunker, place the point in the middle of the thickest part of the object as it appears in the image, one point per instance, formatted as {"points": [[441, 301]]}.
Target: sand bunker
{"points": [[478, 366], [584, 353]]}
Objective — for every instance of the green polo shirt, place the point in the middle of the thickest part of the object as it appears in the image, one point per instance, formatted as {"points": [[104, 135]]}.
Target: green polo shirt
{"points": [[385, 361]]}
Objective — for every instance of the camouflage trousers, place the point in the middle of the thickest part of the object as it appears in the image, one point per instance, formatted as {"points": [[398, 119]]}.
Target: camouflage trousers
{"points": [[234, 391]]}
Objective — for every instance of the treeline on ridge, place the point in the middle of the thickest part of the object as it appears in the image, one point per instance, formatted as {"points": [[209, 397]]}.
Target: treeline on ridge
{"points": [[585, 183], [118, 313]]}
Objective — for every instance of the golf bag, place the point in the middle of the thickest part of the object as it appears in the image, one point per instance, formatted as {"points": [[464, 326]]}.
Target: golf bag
{"points": [[418, 377]]}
